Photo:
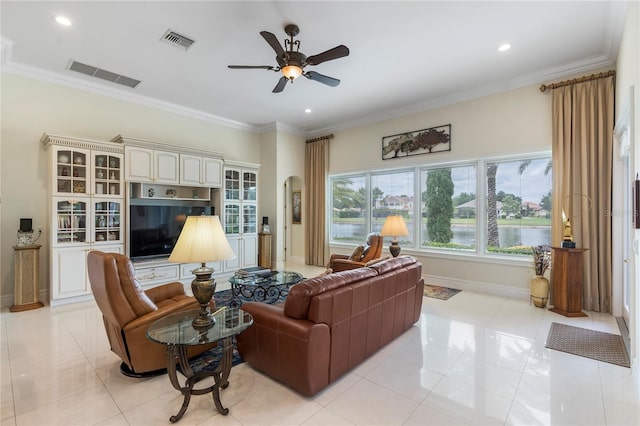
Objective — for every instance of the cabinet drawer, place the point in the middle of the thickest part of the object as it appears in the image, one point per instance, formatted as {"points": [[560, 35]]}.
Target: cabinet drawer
{"points": [[158, 274]]}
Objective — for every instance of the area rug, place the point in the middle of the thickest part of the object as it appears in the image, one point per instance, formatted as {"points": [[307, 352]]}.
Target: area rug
{"points": [[605, 347], [437, 292]]}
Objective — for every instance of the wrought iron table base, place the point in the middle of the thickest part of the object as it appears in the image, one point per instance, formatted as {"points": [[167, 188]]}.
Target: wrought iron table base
{"points": [[220, 375], [265, 292]]}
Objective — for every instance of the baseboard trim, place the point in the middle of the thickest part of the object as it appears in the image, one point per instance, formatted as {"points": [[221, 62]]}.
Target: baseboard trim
{"points": [[478, 286]]}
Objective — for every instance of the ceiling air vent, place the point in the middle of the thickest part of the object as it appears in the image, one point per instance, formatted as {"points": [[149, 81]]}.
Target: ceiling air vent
{"points": [[103, 74], [177, 40]]}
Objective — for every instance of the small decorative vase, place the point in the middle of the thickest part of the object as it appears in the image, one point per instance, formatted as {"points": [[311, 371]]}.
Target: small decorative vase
{"points": [[539, 291]]}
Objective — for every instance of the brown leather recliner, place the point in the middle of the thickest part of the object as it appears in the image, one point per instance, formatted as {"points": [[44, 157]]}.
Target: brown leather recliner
{"points": [[128, 311], [370, 251]]}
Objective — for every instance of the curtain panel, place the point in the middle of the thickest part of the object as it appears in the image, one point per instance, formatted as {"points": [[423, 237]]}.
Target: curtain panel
{"points": [[316, 171], [582, 151]]}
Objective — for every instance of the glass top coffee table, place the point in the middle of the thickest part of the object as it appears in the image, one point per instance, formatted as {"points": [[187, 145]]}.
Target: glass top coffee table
{"points": [[268, 289], [177, 333]]}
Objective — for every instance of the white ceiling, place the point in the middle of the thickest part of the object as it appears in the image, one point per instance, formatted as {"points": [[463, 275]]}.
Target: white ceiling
{"points": [[405, 56]]}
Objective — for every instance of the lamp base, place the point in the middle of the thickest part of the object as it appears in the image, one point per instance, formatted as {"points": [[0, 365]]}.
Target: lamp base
{"points": [[394, 249], [203, 287]]}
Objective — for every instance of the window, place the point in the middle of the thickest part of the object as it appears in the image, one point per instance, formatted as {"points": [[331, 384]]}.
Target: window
{"points": [[348, 195], [392, 193], [448, 211], [518, 205], [497, 207]]}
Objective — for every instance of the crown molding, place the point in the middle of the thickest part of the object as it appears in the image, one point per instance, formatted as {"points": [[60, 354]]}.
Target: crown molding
{"points": [[570, 69], [115, 93]]}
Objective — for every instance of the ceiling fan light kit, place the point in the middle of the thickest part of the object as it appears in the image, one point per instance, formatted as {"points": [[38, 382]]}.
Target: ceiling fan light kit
{"points": [[291, 62]]}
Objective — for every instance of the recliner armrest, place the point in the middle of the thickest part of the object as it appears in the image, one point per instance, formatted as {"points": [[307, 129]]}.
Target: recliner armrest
{"points": [[165, 291], [345, 264]]}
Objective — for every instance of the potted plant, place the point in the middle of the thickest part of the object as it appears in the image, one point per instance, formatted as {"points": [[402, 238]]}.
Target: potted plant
{"points": [[539, 283]]}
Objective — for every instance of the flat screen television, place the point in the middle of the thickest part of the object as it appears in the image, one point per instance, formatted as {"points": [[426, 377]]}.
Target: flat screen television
{"points": [[154, 229]]}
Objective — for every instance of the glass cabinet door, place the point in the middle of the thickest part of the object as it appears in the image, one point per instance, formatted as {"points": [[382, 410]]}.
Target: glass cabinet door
{"points": [[71, 222], [107, 216], [232, 219], [71, 171], [249, 186], [232, 185], [249, 219], [107, 174]]}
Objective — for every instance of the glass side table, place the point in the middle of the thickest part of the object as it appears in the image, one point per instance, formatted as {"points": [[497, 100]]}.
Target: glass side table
{"points": [[176, 332]]}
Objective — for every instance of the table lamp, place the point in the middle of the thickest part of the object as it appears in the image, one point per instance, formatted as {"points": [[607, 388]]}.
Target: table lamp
{"points": [[394, 227], [202, 240]]}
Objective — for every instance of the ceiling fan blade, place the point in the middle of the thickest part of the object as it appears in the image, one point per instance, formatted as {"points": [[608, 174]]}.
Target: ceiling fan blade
{"points": [[335, 53], [281, 85], [273, 42], [329, 81], [251, 67]]}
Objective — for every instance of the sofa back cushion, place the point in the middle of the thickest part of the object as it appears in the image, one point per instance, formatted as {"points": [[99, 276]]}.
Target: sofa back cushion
{"points": [[297, 303]]}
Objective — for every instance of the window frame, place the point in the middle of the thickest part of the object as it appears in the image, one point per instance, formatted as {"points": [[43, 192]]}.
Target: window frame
{"points": [[480, 254]]}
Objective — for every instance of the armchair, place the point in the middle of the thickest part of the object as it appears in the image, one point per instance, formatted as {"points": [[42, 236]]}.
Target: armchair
{"points": [[128, 311], [372, 249]]}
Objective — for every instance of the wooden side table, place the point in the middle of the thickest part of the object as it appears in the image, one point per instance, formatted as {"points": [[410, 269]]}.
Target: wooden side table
{"points": [[264, 250], [566, 281], [27, 278]]}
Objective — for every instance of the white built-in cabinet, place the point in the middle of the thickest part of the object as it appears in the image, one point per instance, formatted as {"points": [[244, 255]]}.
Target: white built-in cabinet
{"points": [[170, 165], [86, 209], [200, 171], [88, 205], [240, 214], [149, 165]]}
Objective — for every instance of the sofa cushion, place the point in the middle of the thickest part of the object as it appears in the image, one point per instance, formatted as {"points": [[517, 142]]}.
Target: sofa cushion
{"points": [[393, 264], [374, 261], [296, 305]]}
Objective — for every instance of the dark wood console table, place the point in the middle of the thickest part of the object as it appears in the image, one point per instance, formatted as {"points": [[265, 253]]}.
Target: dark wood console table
{"points": [[566, 281]]}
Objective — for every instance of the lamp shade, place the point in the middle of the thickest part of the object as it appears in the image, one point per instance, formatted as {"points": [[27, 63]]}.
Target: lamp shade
{"points": [[201, 240], [394, 226]]}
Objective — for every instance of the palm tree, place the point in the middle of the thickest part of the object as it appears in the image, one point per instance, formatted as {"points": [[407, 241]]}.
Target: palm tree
{"points": [[493, 239]]}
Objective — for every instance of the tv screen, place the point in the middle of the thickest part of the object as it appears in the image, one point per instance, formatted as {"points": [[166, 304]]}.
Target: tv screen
{"points": [[154, 229]]}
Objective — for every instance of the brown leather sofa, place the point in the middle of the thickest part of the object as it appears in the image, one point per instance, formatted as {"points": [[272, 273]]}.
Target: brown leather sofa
{"points": [[128, 311], [371, 250], [331, 323]]}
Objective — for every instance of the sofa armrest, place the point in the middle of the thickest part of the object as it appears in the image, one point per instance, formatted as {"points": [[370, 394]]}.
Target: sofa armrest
{"points": [[293, 351], [165, 291]]}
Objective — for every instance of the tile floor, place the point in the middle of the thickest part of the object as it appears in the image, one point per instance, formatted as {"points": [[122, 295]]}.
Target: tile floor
{"points": [[474, 359]]}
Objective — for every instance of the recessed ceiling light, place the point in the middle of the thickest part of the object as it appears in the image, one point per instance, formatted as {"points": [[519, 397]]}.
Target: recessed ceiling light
{"points": [[63, 20], [307, 110], [504, 47]]}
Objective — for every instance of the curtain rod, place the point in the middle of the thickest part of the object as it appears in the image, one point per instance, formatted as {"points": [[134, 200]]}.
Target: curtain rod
{"points": [[320, 138], [577, 80]]}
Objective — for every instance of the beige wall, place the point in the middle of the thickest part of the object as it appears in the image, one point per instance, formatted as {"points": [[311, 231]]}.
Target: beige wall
{"points": [[513, 122], [627, 81], [31, 108], [291, 148]]}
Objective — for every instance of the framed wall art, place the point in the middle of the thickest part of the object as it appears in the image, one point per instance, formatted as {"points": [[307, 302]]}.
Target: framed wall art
{"points": [[417, 142], [296, 201]]}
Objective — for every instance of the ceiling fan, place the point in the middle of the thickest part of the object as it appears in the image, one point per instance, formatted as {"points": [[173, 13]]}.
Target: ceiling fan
{"points": [[291, 63]]}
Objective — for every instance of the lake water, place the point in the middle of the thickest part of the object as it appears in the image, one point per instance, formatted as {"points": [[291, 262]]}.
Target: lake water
{"points": [[509, 235]]}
